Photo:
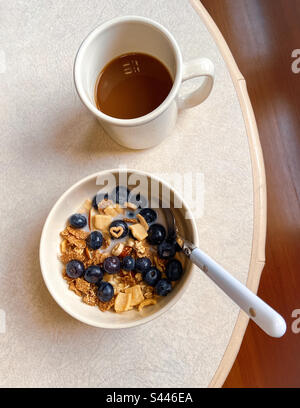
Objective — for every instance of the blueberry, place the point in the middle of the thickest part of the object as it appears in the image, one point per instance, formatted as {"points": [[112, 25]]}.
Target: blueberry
{"points": [[163, 287], [112, 265], [95, 203], [78, 221], [149, 215], [74, 269], [142, 264], [128, 263], [93, 274], [120, 223], [105, 291], [98, 198], [174, 270], [139, 200], [172, 240], [152, 276], [166, 250], [120, 194], [156, 234], [94, 240]]}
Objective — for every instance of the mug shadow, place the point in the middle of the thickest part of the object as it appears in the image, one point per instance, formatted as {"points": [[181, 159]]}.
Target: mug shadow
{"points": [[81, 135]]}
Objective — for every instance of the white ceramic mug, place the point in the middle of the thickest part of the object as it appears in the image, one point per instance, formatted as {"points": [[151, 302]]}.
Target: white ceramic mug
{"points": [[139, 34]]}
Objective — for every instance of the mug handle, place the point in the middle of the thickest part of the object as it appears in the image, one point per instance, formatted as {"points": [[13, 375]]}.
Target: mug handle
{"points": [[196, 68]]}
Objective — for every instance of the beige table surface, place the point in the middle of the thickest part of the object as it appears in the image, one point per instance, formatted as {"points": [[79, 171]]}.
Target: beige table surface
{"points": [[49, 141]]}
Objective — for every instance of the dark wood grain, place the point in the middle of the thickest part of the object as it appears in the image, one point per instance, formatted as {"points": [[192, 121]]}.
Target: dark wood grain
{"points": [[262, 35]]}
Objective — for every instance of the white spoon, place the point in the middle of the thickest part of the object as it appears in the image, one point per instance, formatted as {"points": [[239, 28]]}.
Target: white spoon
{"points": [[262, 314]]}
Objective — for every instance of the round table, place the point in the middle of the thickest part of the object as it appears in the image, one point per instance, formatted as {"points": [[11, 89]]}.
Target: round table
{"points": [[49, 141]]}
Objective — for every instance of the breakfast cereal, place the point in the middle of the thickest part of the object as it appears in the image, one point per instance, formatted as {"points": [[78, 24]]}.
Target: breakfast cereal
{"points": [[109, 260]]}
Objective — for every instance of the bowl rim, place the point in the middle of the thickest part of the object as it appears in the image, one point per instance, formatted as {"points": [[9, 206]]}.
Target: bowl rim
{"points": [[43, 265]]}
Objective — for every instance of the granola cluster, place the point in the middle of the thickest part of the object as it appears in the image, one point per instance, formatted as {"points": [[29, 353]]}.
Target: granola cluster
{"points": [[121, 237]]}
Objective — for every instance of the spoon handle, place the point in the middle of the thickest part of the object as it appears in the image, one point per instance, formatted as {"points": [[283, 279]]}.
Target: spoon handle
{"points": [[262, 314]]}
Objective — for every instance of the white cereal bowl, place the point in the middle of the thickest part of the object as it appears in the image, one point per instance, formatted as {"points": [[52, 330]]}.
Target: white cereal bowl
{"points": [[51, 266]]}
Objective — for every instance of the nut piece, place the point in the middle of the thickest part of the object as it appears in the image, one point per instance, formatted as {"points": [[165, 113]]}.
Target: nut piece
{"points": [[102, 222], [117, 249], [146, 302], [140, 249], [122, 302], [137, 295], [138, 231], [143, 221], [126, 251], [116, 232], [89, 253]]}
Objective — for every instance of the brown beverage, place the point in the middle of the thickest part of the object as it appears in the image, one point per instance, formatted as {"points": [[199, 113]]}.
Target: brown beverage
{"points": [[132, 85]]}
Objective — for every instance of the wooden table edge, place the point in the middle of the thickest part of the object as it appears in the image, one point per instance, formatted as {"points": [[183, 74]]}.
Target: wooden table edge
{"points": [[257, 260]]}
